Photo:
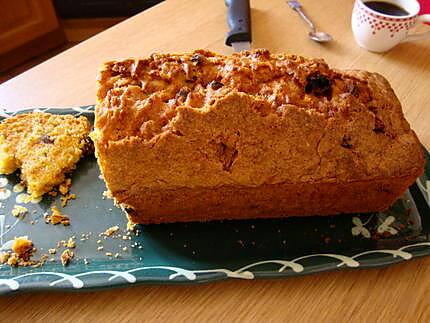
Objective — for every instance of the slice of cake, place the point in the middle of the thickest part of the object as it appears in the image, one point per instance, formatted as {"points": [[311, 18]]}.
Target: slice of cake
{"points": [[43, 146]]}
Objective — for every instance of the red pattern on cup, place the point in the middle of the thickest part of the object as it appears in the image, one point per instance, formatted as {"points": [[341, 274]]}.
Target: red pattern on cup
{"points": [[377, 23]]}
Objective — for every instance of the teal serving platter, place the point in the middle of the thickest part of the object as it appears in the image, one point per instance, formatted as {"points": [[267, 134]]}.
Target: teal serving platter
{"points": [[185, 253]]}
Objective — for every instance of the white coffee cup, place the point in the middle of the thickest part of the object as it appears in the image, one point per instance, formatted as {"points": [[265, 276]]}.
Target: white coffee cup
{"points": [[378, 32]]}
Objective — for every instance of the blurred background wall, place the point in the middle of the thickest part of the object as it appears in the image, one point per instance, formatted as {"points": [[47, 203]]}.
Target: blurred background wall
{"points": [[32, 31]]}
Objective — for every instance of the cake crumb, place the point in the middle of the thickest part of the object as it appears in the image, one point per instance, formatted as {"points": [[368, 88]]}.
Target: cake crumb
{"points": [[124, 249], [4, 256], [53, 193], [22, 250], [107, 194], [130, 225], [86, 262], [52, 251], [19, 211], [66, 257], [23, 247], [23, 198], [66, 198], [111, 230], [13, 260], [71, 243], [99, 248], [109, 254], [57, 217], [41, 261], [117, 255]]}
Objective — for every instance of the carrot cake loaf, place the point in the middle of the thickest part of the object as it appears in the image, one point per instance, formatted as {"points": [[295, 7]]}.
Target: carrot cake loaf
{"points": [[202, 136]]}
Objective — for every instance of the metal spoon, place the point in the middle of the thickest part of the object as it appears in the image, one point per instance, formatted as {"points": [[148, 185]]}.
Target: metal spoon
{"points": [[315, 35]]}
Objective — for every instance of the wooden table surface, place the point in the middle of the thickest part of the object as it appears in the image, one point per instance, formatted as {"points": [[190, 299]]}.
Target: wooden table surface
{"points": [[397, 293]]}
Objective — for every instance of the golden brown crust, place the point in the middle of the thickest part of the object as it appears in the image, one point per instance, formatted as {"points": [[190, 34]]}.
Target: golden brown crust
{"points": [[205, 121]]}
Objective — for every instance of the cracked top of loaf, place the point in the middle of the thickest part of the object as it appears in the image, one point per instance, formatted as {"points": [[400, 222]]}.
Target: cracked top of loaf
{"points": [[251, 118]]}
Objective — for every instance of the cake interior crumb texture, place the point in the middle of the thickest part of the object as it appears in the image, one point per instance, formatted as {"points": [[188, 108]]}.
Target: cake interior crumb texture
{"points": [[201, 136], [43, 146]]}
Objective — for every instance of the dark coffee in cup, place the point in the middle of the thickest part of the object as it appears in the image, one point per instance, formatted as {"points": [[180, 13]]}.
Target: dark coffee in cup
{"points": [[386, 8]]}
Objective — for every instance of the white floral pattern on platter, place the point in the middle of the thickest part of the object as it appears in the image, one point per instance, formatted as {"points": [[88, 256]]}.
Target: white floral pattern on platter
{"points": [[385, 225], [4, 192], [241, 273], [360, 228]]}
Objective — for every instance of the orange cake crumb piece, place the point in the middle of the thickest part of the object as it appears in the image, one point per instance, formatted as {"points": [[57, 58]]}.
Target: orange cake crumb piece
{"points": [[19, 211], [111, 230], [57, 217], [66, 257], [66, 198], [23, 247], [71, 243]]}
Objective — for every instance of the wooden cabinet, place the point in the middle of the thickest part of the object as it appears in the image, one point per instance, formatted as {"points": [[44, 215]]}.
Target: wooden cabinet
{"points": [[27, 28]]}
